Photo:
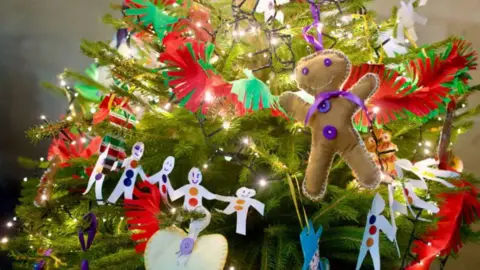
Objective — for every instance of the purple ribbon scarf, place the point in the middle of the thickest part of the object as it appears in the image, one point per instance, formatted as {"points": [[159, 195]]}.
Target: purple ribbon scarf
{"points": [[333, 94], [41, 265], [91, 230], [317, 43]]}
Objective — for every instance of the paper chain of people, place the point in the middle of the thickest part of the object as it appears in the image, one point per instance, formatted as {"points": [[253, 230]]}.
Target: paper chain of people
{"points": [[376, 221], [193, 192]]}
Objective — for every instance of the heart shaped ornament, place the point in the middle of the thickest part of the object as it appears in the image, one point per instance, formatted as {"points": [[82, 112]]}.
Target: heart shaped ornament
{"points": [[209, 252]]}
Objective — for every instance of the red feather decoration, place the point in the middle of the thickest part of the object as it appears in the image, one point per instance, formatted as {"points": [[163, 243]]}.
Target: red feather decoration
{"points": [[142, 214], [69, 145], [457, 208], [193, 80], [397, 98]]}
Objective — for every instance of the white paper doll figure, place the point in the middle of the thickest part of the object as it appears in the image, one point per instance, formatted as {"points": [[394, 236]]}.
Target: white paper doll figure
{"points": [[127, 182], [407, 17], [395, 207], [391, 45], [97, 177], [193, 192], [412, 199], [240, 204], [162, 179], [423, 171], [370, 242]]}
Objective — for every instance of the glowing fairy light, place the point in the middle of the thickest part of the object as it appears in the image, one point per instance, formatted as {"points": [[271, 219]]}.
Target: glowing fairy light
{"points": [[205, 166], [376, 109], [63, 83], [43, 117], [426, 151], [198, 24], [9, 224], [262, 182], [208, 97], [93, 110], [245, 141], [226, 125], [167, 106], [4, 240], [250, 55], [42, 159], [173, 210], [44, 197], [25, 179], [73, 142]]}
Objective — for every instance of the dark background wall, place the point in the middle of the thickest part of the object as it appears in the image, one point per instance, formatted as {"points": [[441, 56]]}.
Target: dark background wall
{"points": [[38, 39]]}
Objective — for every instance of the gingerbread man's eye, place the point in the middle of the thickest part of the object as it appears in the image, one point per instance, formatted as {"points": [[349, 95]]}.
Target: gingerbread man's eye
{"points": [[327, 62], [305, 71]]}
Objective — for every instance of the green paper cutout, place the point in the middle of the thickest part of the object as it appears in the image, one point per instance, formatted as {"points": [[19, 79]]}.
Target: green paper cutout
{"points": [[87, 91], [154, 15], [252, 92]]}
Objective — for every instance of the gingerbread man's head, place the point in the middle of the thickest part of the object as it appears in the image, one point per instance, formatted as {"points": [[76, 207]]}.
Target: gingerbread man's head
{"points": [[322, 71]]}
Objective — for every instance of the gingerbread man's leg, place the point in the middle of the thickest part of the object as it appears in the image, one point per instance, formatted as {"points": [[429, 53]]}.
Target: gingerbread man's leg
{"points": [[355, 154], [321, 156]]}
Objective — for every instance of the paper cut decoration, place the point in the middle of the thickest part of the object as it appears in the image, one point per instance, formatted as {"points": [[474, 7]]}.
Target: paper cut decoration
{"points": [[322, 75], [391, 45], [370, 242], [240, 204], [97, 177], [311, 251], [209, 253], [132, 169], [412, 199], [162, 179], [423, 171], [395, 207], [407, 17], [193, 192], [267, 7]]}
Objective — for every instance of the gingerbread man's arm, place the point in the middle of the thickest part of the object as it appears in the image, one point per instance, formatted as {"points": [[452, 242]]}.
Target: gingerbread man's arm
{"points": [[366, 86], [295, 106]]}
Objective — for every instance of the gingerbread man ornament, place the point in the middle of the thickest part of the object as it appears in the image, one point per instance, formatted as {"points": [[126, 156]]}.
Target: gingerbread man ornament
{"points": [[328, 110]]}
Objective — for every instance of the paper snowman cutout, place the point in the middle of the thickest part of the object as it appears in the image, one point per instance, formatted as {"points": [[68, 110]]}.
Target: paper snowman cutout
{"points": [[162, 179], [97, 177], [131, 169], [193, 192], [240, 205], [375, 222]]}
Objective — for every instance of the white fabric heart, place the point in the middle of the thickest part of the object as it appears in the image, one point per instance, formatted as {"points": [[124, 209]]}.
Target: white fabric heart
{"points": [[209, 252]]}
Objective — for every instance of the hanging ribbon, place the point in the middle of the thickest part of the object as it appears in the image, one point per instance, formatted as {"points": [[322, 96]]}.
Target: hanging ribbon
{"points": [[91, 230], [295, 203], [317, 43], [332, 94]]}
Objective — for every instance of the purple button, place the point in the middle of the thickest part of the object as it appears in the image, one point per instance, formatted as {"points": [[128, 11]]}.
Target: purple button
{"points": [[330, 132], [327, 62], [305, 71], [98, 176], [186, 246], [324, 106]]}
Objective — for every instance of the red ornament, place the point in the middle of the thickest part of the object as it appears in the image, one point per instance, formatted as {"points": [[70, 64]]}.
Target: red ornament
{"points": [[457, 208], [142, 214]]}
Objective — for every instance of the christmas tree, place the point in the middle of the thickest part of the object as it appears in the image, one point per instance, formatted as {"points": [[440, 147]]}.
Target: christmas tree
{"points": [[191, 91]]}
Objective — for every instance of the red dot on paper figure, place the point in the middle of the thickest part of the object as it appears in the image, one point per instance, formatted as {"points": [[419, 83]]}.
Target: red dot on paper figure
{"points": [[164, 189], [193, 202], [372, 230], [406, 191]]}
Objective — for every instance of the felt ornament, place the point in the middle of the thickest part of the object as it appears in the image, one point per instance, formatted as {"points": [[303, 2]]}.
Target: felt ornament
{"points": [[321, 75], [97, 177], [45, 187], [371, 242], [309, 240], [161, 177], [142, 214], [385, 158], [422, 98], [240, 205], [407, 17], [208, 252], [193, 79], [151, 14], [267, 7], [131, 169], [423, 170], [457, 207], [193, 192]]}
